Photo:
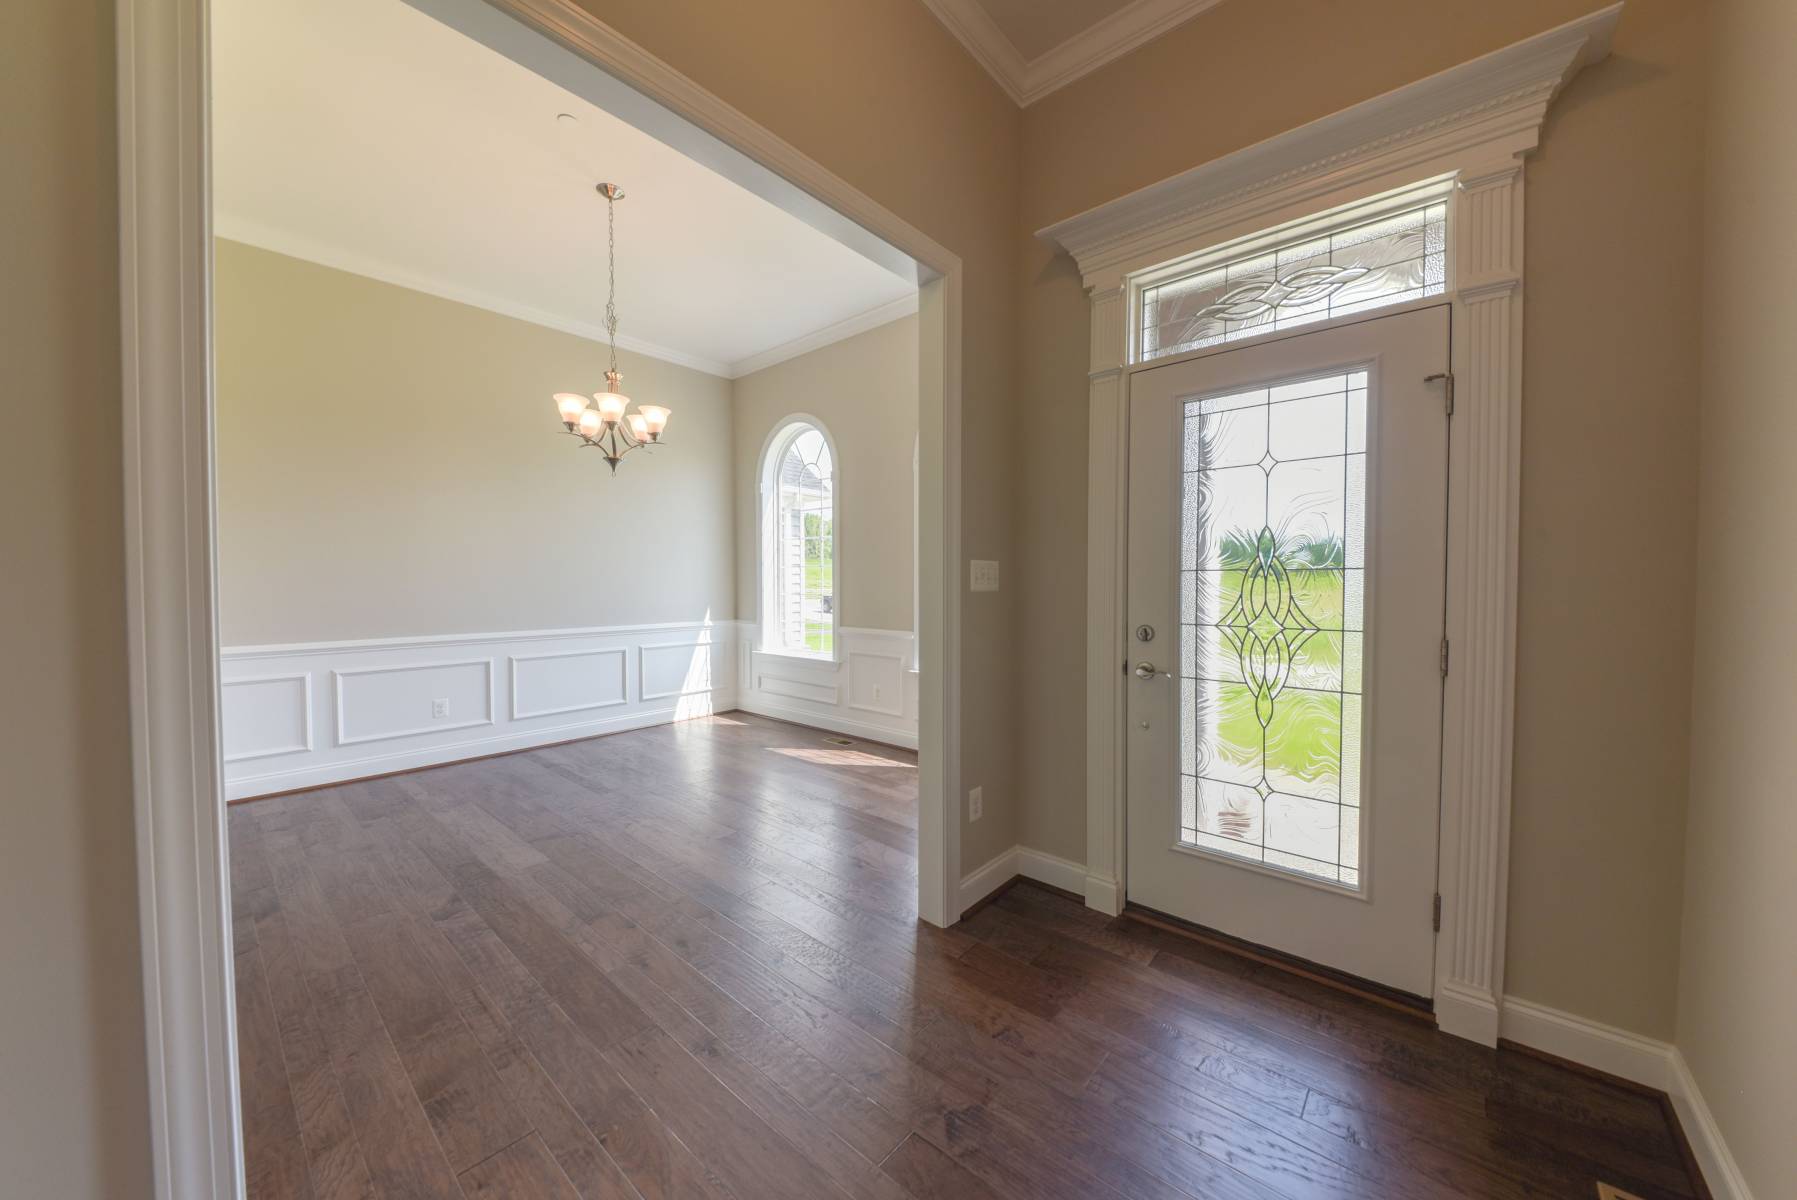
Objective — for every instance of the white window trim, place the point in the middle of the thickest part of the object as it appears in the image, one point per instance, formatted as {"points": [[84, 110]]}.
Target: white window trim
{"points": [[1472, 126], [766, 518]]}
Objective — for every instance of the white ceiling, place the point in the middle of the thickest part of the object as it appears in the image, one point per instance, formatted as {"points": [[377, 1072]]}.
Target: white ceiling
{"points": [[366, 135], [1033, 47]]}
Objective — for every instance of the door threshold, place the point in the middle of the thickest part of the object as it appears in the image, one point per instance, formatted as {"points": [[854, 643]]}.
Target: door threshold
{"points": [[1420, 1007]]}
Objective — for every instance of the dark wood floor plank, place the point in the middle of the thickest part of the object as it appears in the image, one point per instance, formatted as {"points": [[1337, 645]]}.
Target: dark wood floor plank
{"points": [[717, 1126], [395, 1136], [523, 1170], [718, 1031], [275, 1162], [928, 1174], [686, 962], [337, 1169], [472, 1115]]}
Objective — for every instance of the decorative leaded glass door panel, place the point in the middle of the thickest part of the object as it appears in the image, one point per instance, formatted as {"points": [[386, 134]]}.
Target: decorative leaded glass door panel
{"points": [[1288, 509]]}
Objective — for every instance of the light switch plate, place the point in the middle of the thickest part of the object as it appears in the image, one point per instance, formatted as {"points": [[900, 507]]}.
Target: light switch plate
{"points": [[984, 575]]}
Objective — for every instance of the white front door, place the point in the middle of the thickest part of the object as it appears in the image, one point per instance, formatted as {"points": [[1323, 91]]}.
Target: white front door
{"points": [[1287, 564]]}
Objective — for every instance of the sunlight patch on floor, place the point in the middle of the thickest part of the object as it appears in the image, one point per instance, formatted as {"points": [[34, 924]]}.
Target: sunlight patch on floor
{"points": [[839, 758]]}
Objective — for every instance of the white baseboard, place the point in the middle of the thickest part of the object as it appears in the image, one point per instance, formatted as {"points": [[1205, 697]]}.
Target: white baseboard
{"points": [[1466, 1013], [833, 721], [1592, 1044], [1646, 1061], [1104, 895], [1030, 864], [1719, 1168], [305, 715], [319, 775]]}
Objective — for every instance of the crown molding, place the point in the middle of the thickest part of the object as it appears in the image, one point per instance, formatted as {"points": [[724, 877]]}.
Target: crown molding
{"points": [[1028, 80], [1495, 103], [887, 313], [969, 21]]}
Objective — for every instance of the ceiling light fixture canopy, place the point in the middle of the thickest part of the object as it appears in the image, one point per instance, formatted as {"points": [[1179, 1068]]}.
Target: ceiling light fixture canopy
{"points": [[605, 421]]}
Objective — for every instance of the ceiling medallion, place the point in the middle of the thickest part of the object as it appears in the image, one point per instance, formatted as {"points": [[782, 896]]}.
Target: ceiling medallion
{"points": [[603, 421]]}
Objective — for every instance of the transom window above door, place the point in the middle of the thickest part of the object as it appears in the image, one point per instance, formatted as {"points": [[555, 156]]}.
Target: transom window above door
{"points": [[798, 542], [1373, 255]]}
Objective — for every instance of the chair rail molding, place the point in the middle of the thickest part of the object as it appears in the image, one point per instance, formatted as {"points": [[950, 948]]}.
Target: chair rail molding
{"points": [[1470, 126]]}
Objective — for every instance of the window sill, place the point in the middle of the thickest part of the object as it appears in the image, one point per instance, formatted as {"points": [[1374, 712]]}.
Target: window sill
{"points": [[827, 660]]}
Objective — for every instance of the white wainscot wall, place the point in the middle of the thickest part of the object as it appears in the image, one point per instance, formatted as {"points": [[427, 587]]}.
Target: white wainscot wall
{"points": [[869, 690], [303, 715]]}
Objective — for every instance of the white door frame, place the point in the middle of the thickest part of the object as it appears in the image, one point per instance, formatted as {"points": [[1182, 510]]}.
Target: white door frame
{"points": [[165, 250], [1472, 125]]}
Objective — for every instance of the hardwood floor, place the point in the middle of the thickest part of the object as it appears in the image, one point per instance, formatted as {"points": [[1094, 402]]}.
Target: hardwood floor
{"points": [[685, 961]]}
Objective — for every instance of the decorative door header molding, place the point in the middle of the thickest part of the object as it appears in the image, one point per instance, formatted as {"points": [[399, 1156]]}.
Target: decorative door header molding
{"points": [[1469, 127], [1489, 109]]}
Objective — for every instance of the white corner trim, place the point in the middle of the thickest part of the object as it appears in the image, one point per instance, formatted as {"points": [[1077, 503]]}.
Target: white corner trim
{"points": [[278, 241], [974, 27], [1494, 102], [1129, 27], [1720, 1171], [1643, 1060], [1028, 80], [1021, 861], [873, 318], [1470, 126]]}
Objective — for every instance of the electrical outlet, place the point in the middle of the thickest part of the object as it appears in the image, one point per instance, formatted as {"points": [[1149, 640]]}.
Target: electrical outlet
{"points": [[976, 805], [984, 575], [876, 693], [439, 709]]}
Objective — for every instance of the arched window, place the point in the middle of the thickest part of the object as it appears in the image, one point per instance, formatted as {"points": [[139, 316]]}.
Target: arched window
{"points": [[798, 541]]}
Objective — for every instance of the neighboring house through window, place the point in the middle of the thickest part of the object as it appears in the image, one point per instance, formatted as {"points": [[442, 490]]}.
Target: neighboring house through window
{"points": [[798, 540]]}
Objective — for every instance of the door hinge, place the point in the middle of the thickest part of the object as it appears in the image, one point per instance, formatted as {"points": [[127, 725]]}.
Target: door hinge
{"points": [[1437, 912], [1447, 381], [1444, 658]]}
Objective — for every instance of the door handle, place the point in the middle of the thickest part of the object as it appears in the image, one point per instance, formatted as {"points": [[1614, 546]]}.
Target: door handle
{"points": [[1146, 670]]}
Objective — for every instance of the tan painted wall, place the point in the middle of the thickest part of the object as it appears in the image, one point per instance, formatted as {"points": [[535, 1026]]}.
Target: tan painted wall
{"points": [[864, 391], [74, 1117], [882, 95], [1609, 416], [390, 464], [1738, 975]]}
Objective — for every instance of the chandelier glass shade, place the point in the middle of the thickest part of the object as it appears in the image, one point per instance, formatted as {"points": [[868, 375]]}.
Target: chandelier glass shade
{"points": [[604, 420]]}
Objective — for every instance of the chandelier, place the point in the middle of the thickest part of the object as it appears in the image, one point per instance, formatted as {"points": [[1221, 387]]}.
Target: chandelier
{"points": [[602, 421]]}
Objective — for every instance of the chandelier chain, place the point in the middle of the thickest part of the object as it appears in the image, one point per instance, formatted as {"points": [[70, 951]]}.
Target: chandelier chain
{"points": [[611, 281]]}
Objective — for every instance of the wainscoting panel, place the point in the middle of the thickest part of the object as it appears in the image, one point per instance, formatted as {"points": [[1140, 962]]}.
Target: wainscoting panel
{"points": [[565, 681], [870, 691], [396, 704], [274, 716]]}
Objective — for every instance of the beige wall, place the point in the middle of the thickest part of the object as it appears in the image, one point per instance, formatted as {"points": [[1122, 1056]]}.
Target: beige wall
{"points": [[863, 390], [882, 95], [73, 1097], [390, 464], [1609, 418], [1738, 976]]}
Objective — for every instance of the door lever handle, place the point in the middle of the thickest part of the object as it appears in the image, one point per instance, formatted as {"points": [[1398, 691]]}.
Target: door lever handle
{"points": [[1146, 670]]}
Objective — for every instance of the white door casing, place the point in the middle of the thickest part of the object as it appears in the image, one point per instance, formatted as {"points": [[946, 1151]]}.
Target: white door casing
{"points": [[165, 252], [1372, 919], [1471, 125]]}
